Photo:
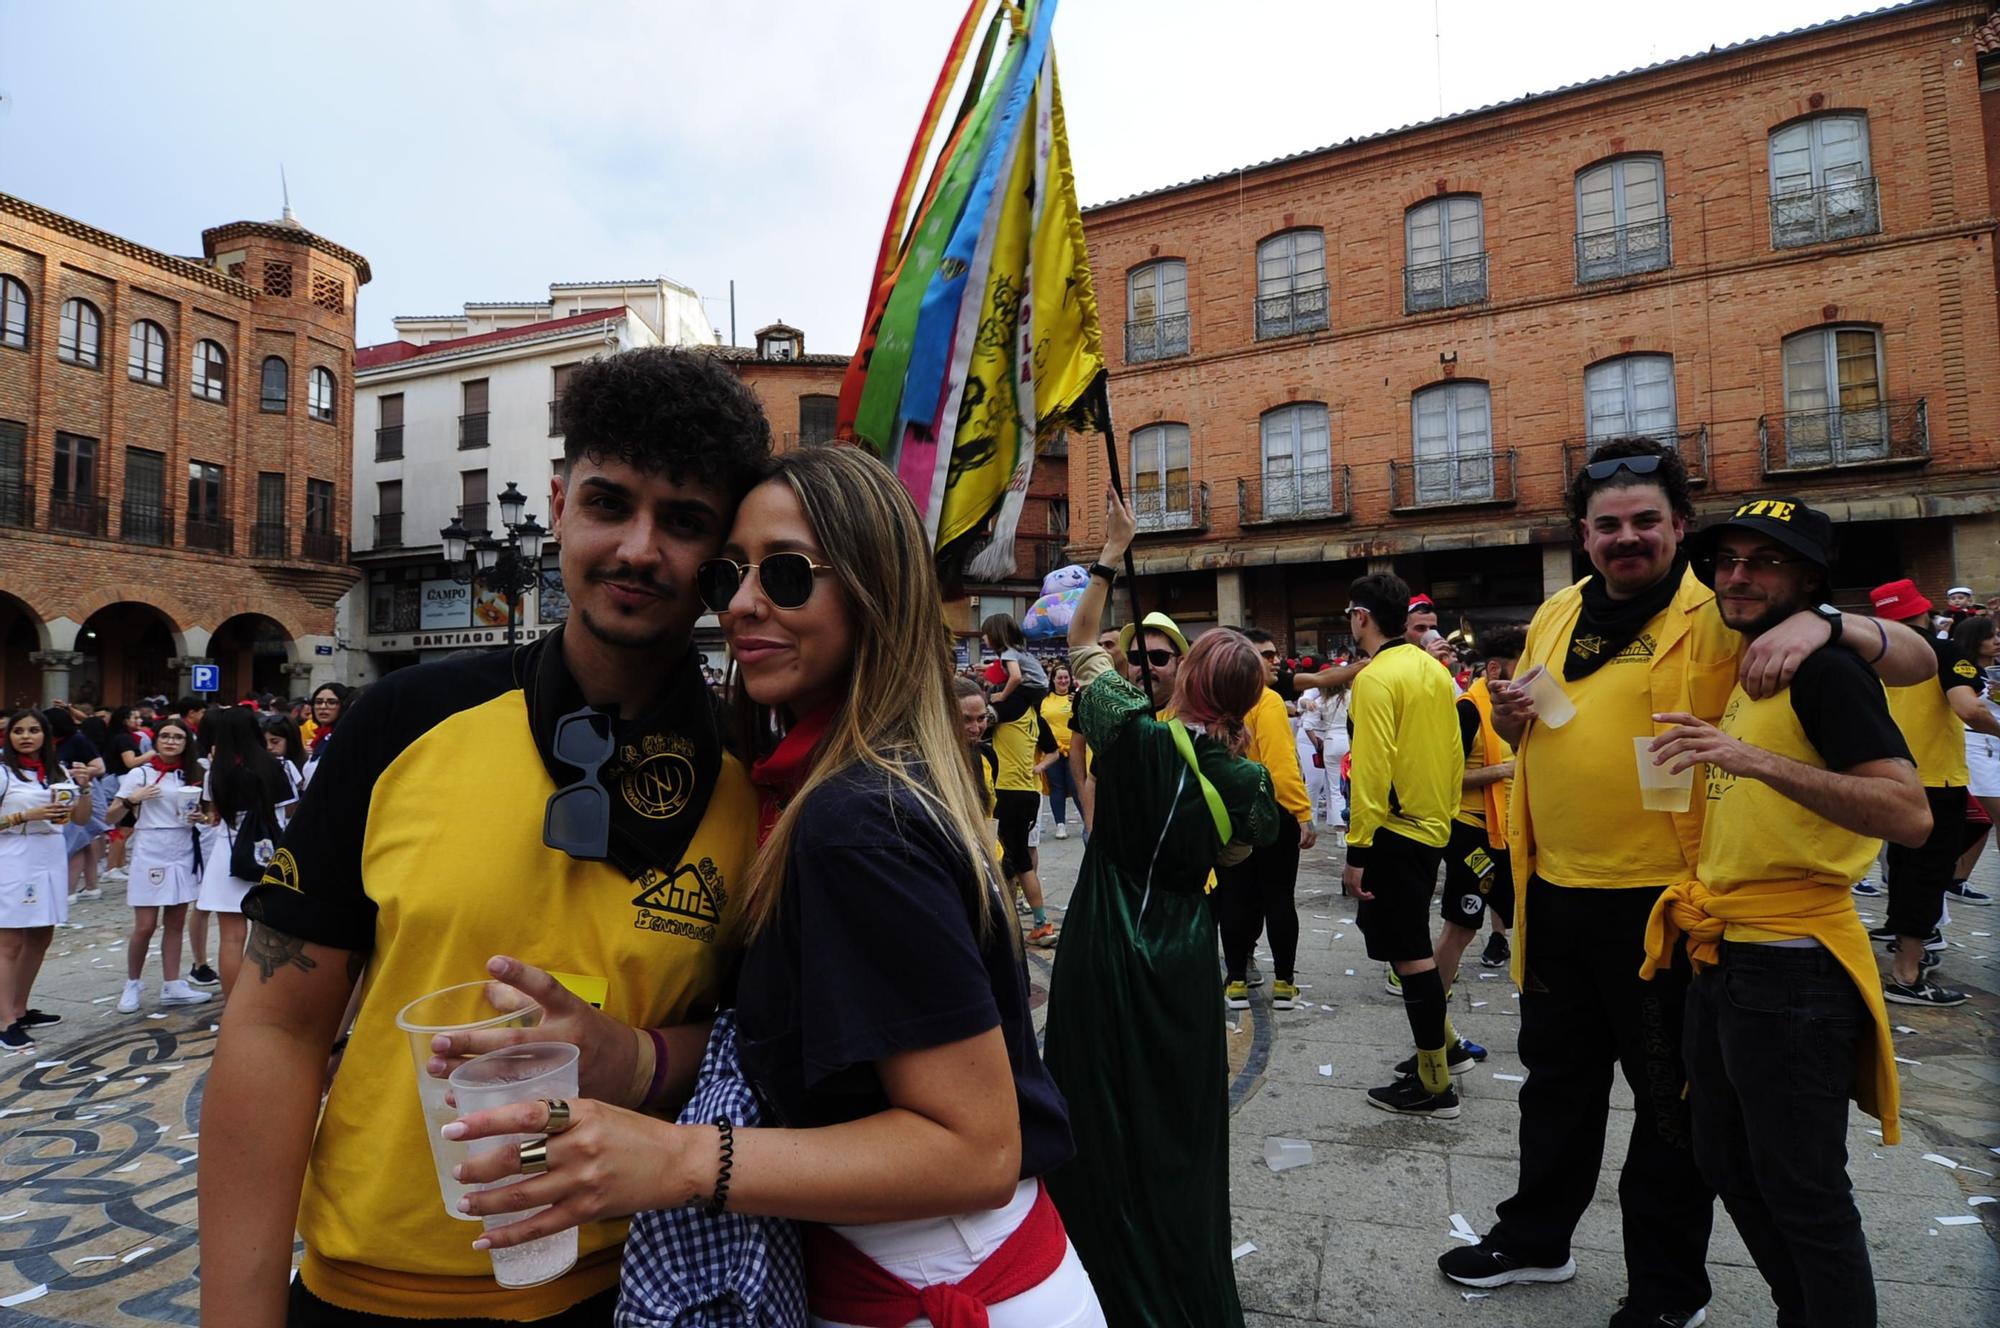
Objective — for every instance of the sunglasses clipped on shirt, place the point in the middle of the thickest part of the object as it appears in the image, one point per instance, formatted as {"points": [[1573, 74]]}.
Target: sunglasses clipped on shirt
{"points": [[577, 820], [1158, 658], [786, 579]]}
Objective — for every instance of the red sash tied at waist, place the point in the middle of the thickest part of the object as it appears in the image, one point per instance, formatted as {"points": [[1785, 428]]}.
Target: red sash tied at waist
{"points": [[847, 1286]]}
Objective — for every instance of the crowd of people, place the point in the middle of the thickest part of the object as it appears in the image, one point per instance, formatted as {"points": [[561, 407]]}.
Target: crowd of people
{"points": [[784, 919], [154, 798]]}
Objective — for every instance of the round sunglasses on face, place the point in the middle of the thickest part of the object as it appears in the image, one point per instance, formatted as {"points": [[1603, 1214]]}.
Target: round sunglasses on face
{"points": [[1159, 658], [785, 578]]}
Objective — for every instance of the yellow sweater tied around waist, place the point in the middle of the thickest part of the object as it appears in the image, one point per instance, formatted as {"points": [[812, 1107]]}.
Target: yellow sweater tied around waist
{"points": [[1804, 909]]}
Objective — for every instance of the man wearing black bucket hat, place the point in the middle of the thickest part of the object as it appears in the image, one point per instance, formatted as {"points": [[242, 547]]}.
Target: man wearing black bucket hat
{"points": [[1801, 786]]}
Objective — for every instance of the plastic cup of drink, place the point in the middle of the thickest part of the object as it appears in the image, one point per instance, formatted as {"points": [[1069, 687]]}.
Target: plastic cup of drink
{"points": [[1660, 789], [466, 1008], [62, 795], [186, 801], [502, 1079], [1552, 703]]}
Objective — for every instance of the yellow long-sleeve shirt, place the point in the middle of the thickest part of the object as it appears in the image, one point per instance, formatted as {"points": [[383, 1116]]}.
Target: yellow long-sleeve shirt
{"points": [[1408, 762], [1272, 746]]}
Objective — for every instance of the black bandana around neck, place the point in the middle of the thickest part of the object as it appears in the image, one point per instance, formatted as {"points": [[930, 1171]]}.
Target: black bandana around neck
{"points": [[665, 764], [1608, 625]]}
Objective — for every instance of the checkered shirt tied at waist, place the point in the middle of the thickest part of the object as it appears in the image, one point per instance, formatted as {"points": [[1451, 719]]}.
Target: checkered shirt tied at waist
{"points": [[687, 1269]]}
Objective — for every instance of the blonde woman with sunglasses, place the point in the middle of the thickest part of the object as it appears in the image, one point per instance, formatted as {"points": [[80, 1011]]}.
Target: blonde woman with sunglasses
{"points": [[883, 1009]]}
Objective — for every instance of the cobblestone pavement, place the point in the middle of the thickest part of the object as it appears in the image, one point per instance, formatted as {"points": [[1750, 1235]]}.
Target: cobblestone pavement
{"points": [[99, 1147]]}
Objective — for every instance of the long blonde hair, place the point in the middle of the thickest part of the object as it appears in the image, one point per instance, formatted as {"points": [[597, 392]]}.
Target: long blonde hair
{"points": [[897, 713]]}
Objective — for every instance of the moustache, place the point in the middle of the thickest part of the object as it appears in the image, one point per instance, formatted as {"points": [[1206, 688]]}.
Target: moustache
{"points": [[625, 577]]}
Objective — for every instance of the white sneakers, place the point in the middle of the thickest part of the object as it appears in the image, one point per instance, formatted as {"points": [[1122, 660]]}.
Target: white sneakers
{"points": [[176, 992], [1062, 830]]}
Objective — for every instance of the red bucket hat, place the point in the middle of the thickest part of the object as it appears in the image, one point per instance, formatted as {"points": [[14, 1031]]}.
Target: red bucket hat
{"points": [[1899, 600]]}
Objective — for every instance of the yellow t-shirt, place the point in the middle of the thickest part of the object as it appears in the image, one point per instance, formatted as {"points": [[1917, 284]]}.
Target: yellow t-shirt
{"points": [[1273, 747], [1014, 744], [1055, 713], [432, 821], [1933, 730], [1407, 759]]}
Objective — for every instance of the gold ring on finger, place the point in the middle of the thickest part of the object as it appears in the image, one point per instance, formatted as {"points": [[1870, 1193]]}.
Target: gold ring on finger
{"points": [[559, 1117], [535, 1157]]}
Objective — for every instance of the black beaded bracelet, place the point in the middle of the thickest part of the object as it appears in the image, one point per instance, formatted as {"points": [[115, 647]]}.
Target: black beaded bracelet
{"points": [[720, 1199]]}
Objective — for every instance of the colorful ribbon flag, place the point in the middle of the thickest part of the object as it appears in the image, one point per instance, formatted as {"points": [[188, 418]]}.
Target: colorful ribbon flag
{"points": [[981, 340]]}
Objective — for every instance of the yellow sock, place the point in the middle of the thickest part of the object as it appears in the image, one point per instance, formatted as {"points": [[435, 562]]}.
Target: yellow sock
{"points": [[1450, 1033], [1432, 1072]]}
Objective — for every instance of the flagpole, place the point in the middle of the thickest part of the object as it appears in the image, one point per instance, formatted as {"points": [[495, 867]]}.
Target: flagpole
{"points": [[1131, 575]]}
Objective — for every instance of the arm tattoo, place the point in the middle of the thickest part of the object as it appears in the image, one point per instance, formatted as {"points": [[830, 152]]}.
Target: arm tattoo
{"points": [[271, 950]]}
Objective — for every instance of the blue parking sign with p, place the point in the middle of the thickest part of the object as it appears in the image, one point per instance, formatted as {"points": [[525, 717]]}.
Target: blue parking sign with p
{"points": [[207, 678]]}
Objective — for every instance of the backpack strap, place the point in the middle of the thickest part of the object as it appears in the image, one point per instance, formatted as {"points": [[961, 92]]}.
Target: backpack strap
{"points": [[1216, 811]]}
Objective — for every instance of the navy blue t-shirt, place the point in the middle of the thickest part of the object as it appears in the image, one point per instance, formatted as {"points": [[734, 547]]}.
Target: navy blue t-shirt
{"points": [[872, 951]]}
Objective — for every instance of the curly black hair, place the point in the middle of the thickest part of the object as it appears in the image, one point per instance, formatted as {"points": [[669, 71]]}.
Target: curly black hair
{"points": [[1505, 642], [1671, 476], [667, 409]]}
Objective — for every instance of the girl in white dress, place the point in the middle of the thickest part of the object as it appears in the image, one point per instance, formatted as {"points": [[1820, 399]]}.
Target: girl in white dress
{"points": [[34, 870], [248, 793], [163, 877]]}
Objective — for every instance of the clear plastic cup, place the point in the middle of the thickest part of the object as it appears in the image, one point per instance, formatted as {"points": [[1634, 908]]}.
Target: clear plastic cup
{"points": [[1552, 703], [465, 1008], [502, 1079], [1661, 790]]}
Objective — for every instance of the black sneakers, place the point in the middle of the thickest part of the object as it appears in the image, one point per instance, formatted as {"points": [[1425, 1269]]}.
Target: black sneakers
{"points": [[1482, 1265], [1458, 1060], [1496, 954], [39, 1019], [1409, 1097], [1921, 992], [1627, 1317], [204, 976], [15, 1038], [1965, 894]]}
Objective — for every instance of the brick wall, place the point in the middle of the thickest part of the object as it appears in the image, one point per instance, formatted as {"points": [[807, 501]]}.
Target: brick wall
{"points": [[1721, 310]]}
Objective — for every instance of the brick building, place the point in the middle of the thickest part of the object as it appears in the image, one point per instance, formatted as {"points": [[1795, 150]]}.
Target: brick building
{"points": [[1388, 354], [173, 457]]}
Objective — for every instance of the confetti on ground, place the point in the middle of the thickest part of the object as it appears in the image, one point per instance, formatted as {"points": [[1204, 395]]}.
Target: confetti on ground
{"points": [[1904, 1028], [95, 1258], [1350, 973], [143, 1249], [1982, 933], [1958, 1220], [1326, 1071], [1941, 1160], [1979, 1199], [129, 1166], [1340, 936], [1876, 1133], [1461, 1229], [1246, 1247], [1905, 1060], [1347, 922], [11, 1216], [1471, 1296], [1319, 931], [1321, 917], [47, 1065], [1509, 1078], [1514, 996], [23, 1297], [1477, 1004], [156, 1016], [195, 1135]]}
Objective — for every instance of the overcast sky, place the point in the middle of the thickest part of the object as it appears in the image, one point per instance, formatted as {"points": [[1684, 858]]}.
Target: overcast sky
{"points": [[479, 151]]}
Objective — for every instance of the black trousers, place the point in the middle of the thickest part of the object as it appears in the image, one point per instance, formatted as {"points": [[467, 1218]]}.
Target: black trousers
{"points": [[1772, 1035], [1584, 1010], [1257, 895], [308, 1311], [1918, 876]]}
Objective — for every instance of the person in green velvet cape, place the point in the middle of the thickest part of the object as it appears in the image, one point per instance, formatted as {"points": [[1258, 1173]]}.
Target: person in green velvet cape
{"points": [[1134, 1035]]}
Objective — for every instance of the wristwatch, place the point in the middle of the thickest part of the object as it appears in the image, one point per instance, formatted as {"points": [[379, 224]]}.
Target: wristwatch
{"points": [[1829, 615]]}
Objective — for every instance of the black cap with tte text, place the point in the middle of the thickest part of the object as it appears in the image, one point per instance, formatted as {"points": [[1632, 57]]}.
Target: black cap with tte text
{"points": [[1787, 521]]}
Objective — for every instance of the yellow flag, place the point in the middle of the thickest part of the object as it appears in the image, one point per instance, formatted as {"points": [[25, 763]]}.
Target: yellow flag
{"points": [[1069, 341]]}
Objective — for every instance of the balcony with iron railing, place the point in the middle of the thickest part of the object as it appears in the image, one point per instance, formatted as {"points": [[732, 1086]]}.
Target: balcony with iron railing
{"points": [[388, 530], [1301, 309], [1445, 285], [1175, 507], [1325, 494], [1624, 251], [320, 546], [1830, 212], [1156, 338], [472, 430], [78, 513], [270, 539], [1884, 435], [215, 534], [1480, 480], [1692, 444], [17, 505], [389, 443], [145, 523]]}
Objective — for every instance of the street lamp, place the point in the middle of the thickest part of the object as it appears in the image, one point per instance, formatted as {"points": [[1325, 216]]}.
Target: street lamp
{"points": [[508, 567]]}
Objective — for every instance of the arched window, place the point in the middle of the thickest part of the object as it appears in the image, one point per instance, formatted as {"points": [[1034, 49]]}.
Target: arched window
{"points": [[1444, 253], [319, 395], [211, 372], [13, 313], [1835, 411], [1621, 218], [1822, 185], [274, 392], [1156, 312], [1298, 460], [1291, 284], [1629, 396], [80, 340], [146, 356], [1452, 425], [1162, 491]]}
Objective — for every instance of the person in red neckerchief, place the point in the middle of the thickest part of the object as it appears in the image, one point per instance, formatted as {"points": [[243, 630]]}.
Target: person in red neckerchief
{"points": [[164, 879], [34, 868]]}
